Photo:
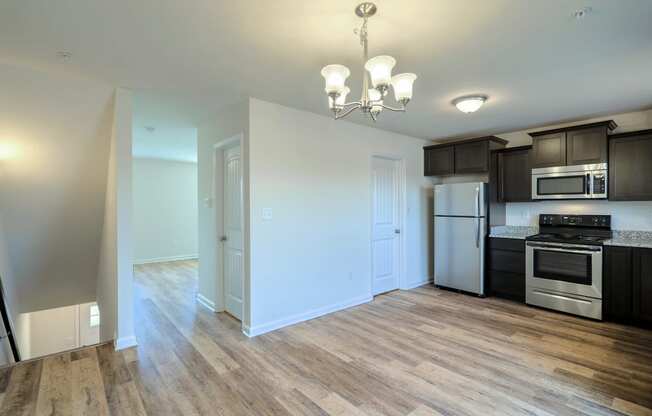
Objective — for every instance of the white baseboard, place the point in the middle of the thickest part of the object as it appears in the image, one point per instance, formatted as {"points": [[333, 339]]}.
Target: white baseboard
{"points": [[417, 284], [205, 302], [169, 258], [125, 342], [295, 319]]}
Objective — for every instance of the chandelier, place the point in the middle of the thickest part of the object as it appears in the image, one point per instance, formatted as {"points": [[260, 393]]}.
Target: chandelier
{"points": [[377, 70]]}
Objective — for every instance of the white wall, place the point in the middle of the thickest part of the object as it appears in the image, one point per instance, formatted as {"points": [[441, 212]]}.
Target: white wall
{"points": [[9, 292], [315, 175], [115, 270], [226, 124], [54, 330], [52, 184], [164, 210], [637, 120], [624, 215]]}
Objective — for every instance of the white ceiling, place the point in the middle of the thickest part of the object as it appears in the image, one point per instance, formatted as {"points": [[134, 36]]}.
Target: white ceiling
{"points": [[167, 143], [189, 58]]}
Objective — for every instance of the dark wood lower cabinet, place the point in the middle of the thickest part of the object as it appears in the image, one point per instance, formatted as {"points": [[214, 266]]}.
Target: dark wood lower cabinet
{"points": [[642, 284], [506, 268], [617, 283], [627, 285]]}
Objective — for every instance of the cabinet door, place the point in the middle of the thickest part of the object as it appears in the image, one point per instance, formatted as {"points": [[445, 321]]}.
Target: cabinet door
{"points": [[586, 146], [514, 176], [630, 168], [549, 150], [439, 161], [472, 157], [617, 283], [642, 287]]}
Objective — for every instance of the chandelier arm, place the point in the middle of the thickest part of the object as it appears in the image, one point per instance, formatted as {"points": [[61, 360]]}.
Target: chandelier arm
{"points": [[401, 109], [347, 112], [343, 106]]}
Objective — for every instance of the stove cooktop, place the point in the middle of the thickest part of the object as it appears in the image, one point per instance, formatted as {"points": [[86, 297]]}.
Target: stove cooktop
{"points": [[568, 239], [573, 229]]}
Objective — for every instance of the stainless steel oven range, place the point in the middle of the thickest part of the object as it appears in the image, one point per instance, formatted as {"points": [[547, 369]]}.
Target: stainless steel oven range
{"points": [[563, 263]]}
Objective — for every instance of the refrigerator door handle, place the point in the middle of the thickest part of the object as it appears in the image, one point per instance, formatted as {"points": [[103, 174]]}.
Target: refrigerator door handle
{"points": [[477, 233], [477, 202]]}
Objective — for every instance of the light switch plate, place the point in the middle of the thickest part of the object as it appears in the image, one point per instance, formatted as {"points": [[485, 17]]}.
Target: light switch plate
{"points": [[267, 214]]}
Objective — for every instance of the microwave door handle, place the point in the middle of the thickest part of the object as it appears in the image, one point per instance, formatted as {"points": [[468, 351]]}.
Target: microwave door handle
{"points": [[588, 184]]}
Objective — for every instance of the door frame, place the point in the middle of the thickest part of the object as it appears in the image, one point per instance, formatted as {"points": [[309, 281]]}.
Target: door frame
{"points": [[402, 216], [218, 212]]}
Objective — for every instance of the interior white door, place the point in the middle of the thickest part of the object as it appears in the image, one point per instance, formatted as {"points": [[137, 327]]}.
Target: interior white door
{"points": [[385, 244], [232, 246]]}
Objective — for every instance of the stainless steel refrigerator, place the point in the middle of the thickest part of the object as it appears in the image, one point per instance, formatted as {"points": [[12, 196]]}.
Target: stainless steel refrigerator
{"points": [[460, 211]]}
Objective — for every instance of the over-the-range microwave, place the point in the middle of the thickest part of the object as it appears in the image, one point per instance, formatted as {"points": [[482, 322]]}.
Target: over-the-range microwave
{"points": [[570, 182]]}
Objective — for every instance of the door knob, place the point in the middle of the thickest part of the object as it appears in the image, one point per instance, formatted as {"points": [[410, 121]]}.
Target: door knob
{"points": [[397, 231], [223, 238]]}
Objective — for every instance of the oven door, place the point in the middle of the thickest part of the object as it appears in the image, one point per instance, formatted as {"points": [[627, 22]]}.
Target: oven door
{"points": [[565, 268]]}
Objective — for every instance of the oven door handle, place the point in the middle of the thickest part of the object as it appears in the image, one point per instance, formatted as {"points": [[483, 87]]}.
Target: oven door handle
{"points": [[566, 250]]}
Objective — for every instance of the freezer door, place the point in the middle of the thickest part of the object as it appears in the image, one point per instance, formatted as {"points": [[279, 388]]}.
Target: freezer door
{"points": [[460, 199], [459, 253]]}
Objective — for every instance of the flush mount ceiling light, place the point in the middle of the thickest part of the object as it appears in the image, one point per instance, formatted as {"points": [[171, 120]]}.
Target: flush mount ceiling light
{"points": [[469, 103], [377, 70], [64, 55]]}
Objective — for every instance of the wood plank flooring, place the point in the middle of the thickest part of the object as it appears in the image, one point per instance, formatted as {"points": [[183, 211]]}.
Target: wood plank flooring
{"points": [[420, 352]]}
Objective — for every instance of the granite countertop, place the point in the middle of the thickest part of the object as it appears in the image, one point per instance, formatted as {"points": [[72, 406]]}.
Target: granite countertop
{"points": [[631, 239], [513, 231], [620, 237]]}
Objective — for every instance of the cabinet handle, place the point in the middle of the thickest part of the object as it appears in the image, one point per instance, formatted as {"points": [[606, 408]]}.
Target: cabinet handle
{"points": [[501, 179]]}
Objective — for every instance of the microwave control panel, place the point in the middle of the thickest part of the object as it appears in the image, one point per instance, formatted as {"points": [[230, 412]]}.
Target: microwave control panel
{"points": [[599, 184]]}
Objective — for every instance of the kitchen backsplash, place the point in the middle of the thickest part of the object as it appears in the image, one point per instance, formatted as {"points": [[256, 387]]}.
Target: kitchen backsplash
{"points": [[624, 215]]}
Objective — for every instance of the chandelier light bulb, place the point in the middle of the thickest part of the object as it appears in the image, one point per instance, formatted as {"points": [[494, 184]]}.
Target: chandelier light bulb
{"points": [[335, 77], [402, 84], [380, 69], [469, 104], [374, 94], [341, 99], [376, 98]]}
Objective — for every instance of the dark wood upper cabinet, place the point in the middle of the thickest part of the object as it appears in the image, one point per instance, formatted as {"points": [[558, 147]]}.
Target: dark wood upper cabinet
{"points": [[586, 146], [576, 145], [514, 182], [630, 166], [472, 157], [549, 150], [642, 285], [439, 161], [460, 157]]}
